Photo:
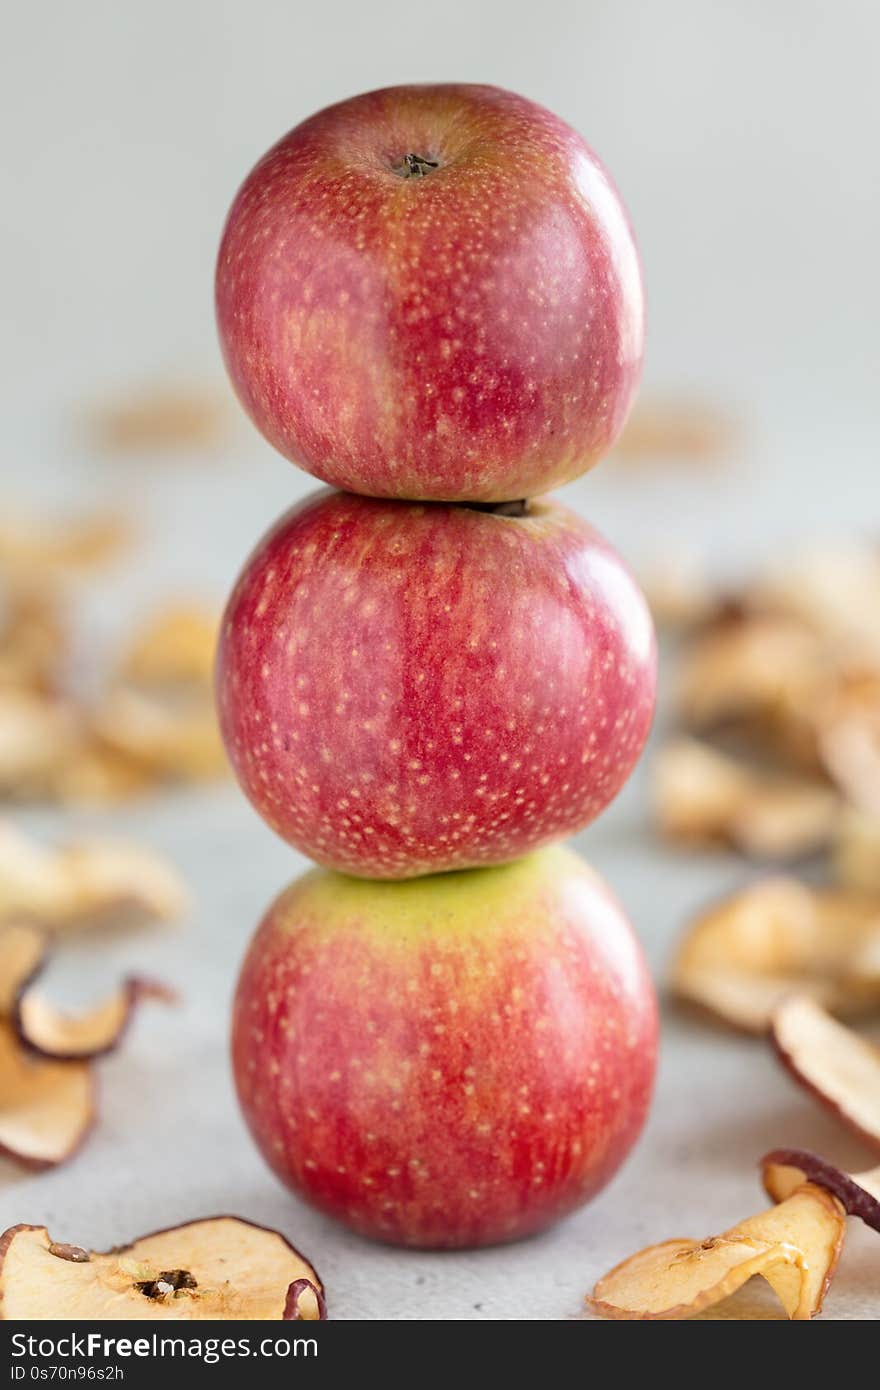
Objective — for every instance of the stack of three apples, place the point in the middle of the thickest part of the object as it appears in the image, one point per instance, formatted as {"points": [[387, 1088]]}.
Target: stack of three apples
{"points": [[430, 298]]}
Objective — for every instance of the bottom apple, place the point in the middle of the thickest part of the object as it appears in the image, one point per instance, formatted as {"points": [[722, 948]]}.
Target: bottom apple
{"points": [[446, 1061]]}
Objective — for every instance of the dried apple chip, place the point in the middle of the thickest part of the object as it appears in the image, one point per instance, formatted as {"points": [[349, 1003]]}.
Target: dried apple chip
{"points": [[160, 418], [47, 1101], [679, 592], [159, 715], [83, 885], [690, 431], [46, 1107], [173, 734], [703, 797], [849, 744], [751, 666], [857, 851], [40, 1025], [95, 775], [175, 647], [785, 1170], [222, 1268], [833, 589], [37, 733], [795, 1246], [45, 1030], [839, 1068], [23, 951], [32, 547], [742, 957], [33, 644]]}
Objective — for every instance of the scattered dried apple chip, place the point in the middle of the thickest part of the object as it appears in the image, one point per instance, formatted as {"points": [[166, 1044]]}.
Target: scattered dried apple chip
{"points": [[34, 547], [849, 743], [46, 1107], [160, 419], [175, 647], [857, 851], [742, 957], [688, 431], [84, 885], [839, 1068], [45, 1029], [785, 1170], [174, 735], [47, 1094], [704, 797], [221, 1268], [834, 590], [37, 733], [95, 775], [33, 644], [679, 592], [160, 715], [794, 1246], [764, 674]]}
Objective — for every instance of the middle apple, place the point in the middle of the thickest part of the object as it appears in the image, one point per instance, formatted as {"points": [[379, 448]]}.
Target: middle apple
{"points": [[406, 688]]}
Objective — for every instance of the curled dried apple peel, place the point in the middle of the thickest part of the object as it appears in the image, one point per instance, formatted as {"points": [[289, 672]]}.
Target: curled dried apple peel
{"points": [[837, 1066], [784, 1170], [47, 1091], [39, 1024], [221, 1267], [794, 1246]]}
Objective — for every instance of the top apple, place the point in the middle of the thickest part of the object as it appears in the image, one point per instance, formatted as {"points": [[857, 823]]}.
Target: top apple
{"points": [[433, 293]]}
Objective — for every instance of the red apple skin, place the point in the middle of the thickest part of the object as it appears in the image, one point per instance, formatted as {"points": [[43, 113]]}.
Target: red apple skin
{"points": [[475, 334], [407, 688], [453, 1061]]}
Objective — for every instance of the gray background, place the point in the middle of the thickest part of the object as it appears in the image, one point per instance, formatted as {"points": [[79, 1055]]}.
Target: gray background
{"points": [[744, 138]]}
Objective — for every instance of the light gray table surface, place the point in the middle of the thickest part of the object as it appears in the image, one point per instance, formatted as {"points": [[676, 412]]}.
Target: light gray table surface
{"points": [[743, 137]]}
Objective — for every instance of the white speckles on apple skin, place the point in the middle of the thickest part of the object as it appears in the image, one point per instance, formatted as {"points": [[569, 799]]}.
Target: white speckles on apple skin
{"points": [[474, 335], [487, 690], [400, 1047]]}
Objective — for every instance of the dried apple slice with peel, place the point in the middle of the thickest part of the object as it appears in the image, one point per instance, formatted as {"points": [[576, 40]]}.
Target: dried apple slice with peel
{"points": [[32, 547], [33, 639], [38, 732], [857, 850], [159, 419], [784, 1170], [795, 1246], [23, 949], [175, 647], [220, 1267], [86, 884], [850, 750], [47, 1030], [46, 1107], [159, 713], [839, 1068], [757, 667], [47, 1092], [741, 957], [833, 589], [704, 797], [173, 734]]}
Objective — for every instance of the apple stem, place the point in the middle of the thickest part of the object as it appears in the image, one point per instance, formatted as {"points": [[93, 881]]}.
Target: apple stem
{"points": [[415, 166]]}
